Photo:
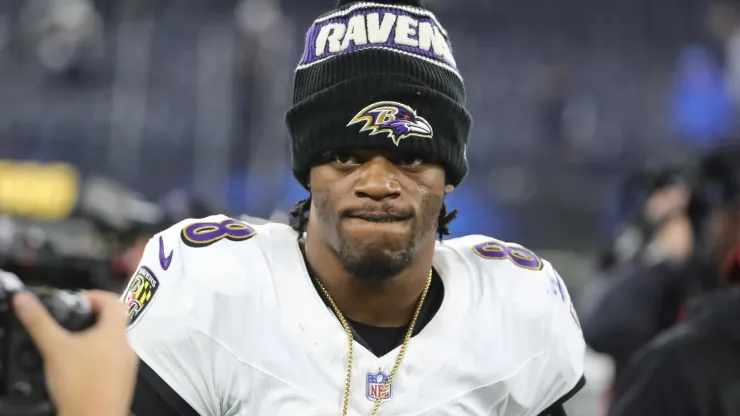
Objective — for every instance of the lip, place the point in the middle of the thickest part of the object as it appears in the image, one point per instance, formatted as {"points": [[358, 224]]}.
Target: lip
{"points": [[377, 226], [380, 218]]}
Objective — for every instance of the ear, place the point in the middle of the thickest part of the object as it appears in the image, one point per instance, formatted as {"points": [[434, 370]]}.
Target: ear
{"points": [[449, 189]]}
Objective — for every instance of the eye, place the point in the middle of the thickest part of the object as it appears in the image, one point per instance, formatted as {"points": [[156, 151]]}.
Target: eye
{"points": [[345, 159], [410, 161]]}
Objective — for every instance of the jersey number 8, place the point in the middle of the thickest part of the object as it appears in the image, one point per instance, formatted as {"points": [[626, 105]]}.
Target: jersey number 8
{"points": [[520, 256], [202, 234]]}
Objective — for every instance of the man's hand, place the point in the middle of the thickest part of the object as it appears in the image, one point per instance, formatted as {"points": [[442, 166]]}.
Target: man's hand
{"points": [[92, 372]]}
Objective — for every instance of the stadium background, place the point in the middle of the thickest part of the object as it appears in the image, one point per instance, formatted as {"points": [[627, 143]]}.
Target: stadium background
{"points": [[187, 97]]}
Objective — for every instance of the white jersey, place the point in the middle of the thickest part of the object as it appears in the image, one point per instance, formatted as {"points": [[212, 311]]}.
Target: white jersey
{"points": [[226, 314]]}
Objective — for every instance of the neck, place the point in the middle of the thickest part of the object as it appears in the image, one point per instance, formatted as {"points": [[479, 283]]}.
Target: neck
{"points": [[388, 304]]}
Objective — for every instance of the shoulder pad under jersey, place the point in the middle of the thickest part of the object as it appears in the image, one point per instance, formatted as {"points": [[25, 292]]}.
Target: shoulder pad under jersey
{"points": [[532, 292], [515, 273], [191, 265]]}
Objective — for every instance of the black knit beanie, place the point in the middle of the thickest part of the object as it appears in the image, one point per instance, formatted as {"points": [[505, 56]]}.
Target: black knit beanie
{"points": [[382, 75]]}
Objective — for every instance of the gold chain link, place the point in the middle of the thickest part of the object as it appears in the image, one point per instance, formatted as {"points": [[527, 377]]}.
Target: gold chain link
{"points": [[350, 340]]}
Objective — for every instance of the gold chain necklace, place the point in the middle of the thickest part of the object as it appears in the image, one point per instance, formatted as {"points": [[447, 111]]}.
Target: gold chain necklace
{"points": [[350, 339]]}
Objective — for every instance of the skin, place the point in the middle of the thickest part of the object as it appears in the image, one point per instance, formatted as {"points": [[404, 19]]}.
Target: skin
{"points": [[676, 235], [92, 372], [722, 19], [133, 254], [725, 232], [374, 271]]}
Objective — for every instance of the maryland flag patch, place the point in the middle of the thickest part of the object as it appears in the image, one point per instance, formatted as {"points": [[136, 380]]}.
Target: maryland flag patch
{"points": [[139, 294]]}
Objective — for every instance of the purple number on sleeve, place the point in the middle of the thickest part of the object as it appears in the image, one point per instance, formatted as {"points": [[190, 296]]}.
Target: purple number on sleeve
{"points": [[520, 256], [202, 234]]}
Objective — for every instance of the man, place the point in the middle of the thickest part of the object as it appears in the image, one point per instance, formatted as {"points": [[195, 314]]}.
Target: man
{"points": [[358, 309], [174, 207], [650, 259], [693, 369]]}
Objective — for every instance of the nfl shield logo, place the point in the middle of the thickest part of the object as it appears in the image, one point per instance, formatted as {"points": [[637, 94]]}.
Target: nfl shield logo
{"points": [[375, 383]]}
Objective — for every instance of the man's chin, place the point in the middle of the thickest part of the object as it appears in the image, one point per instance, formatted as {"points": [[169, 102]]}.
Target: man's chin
{"points": [[376, 256], [376, 265], [375, 271], [378, 246]]}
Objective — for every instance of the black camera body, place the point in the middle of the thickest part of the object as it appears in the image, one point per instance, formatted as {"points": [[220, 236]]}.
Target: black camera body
{"points": [[22, 383]]}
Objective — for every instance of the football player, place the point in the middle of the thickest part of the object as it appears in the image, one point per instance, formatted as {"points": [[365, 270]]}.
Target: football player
{"points": [[358, 308]]}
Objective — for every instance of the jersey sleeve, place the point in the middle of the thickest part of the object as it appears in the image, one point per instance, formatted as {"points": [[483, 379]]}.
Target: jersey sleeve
{"points": [[162, 301], [565, 354]]}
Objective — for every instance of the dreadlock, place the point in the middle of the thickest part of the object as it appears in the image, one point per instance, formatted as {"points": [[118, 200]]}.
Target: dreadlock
{"points": [[299, 218]]}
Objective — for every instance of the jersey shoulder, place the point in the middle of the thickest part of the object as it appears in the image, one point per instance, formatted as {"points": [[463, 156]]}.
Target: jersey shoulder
{"points": [[198, 233], [192, 290], [223, 253], [529, 303], [513, 272], [194, 268]]}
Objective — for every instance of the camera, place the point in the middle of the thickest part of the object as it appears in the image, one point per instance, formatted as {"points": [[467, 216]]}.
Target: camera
{"points": [[22, 384]]}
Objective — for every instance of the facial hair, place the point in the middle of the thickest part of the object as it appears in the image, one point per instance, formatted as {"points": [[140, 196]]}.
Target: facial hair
{"points": [[379, 265]]}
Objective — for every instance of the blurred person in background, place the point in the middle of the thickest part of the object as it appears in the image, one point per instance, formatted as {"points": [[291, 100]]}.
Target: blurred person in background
{"points": [[64, 36], [556, 96], [723, 23], [702, 104], [176, 206], [567, 118], [693, 369], [692, 233], [644, 271]]}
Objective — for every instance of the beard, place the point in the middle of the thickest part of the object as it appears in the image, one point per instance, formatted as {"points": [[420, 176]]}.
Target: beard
{"points": [[375, 260], [376, 265]]}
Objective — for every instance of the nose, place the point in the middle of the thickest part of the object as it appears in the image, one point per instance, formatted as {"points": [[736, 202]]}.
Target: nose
{"points": [[377, 180]]}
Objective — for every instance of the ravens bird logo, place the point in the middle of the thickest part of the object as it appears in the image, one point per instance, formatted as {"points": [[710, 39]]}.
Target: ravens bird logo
{"points": [[397, 120]]}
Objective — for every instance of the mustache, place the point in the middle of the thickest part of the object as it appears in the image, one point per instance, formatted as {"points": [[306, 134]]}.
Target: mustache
{"points": [[385, 211]]}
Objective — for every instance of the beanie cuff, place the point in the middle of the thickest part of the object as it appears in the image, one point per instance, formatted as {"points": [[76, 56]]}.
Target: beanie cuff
{"points": [[321, 123]]}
